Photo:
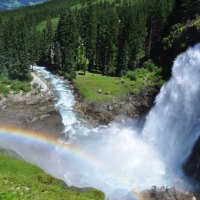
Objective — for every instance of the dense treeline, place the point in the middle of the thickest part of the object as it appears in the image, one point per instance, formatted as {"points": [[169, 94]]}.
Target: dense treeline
{"points": [[113, 39], [109, 38]]}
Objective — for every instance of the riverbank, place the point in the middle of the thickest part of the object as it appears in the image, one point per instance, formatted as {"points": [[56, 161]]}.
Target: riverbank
{"points": [[134, 105], [34, 110], [104, 98]]}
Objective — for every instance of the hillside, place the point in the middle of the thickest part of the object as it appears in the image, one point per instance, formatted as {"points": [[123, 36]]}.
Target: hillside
{"points": [[98, 37], [13, 4], [22, 181]]}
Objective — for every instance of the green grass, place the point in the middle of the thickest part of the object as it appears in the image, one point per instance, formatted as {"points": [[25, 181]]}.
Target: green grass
{"points": [[55, 21], [111, 87], [22, 181], [42, 25]]}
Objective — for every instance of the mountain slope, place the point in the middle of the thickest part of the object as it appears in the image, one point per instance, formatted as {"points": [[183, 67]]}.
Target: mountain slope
{"points": [[22, 181], [12, 4]]}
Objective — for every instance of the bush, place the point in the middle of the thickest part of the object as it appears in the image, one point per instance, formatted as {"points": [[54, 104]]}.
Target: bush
{"points": [[29, 77], [4, 89], [5, 80], [26, 87], [149, 73], [45, 178], [18, 86], [35, 85]]}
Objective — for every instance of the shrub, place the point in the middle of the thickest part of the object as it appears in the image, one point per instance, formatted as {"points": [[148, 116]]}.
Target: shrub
{"points": [[18, 86], [149, 73], [5, 80], [26, 87], [45, 178], [4, 89], [35, 85], [29, 77]]}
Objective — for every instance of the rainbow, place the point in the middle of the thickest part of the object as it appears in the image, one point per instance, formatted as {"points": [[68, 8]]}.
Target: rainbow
{"points": [[52, 141], [49, 140]]}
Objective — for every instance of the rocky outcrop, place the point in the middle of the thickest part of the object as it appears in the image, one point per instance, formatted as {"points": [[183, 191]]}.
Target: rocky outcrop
{"points": [[34, 111], [133, 106], [166, 194], [177, 42]]}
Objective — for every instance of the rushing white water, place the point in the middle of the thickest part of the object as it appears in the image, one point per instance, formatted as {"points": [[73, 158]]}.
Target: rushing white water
{"points": [[173, 125], [130, 157]]}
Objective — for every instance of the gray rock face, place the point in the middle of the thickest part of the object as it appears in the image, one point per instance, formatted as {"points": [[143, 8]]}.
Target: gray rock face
{"points": [[34, 112], [132, 106], [166, 194]]}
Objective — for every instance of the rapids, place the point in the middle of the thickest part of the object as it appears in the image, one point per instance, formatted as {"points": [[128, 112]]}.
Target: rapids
{"points": [[126, 156]]}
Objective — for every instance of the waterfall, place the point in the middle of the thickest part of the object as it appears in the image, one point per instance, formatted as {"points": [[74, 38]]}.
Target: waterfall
{"points": [[173, 124], [123, 156]]}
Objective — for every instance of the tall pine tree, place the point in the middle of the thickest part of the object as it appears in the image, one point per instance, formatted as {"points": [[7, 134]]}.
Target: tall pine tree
{"points": [[68, 39]]}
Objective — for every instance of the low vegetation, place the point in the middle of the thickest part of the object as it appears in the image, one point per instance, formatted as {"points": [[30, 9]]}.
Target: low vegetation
{"points": [[15, 86], [96, 87], [113, 37], [179, 29], [42, 25], [22, 181]]}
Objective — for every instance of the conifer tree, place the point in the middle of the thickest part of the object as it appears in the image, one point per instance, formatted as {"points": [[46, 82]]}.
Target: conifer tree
{"points": [[91, 36], [49, 38], [123, 48], [69, 40], [122, 67]]}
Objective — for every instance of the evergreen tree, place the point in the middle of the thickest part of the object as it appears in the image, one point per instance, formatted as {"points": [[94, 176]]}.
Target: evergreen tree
{"points": [[69, 40], [91, 36], [49, 38], [123, 62], [123, 40]]}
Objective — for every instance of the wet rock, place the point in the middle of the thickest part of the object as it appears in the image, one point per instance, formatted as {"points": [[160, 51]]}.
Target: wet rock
{"points": [[165, 194], [36, 113], [133, 106]]}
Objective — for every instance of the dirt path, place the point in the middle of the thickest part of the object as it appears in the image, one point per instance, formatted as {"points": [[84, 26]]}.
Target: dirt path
{"points": [[36, 79]]}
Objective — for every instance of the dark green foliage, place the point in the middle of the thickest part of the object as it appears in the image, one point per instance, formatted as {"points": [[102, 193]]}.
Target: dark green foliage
{"points": [[4, 89], [91, 35], [149, 73], [96, 36], [68, 39]]}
